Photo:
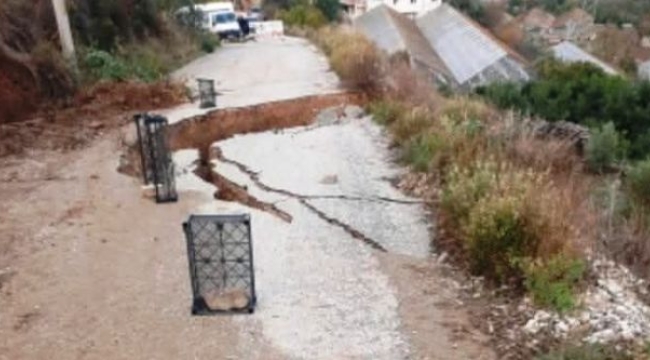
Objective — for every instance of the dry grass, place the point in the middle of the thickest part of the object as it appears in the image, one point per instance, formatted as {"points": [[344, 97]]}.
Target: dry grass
{"points": [[356, 60]]}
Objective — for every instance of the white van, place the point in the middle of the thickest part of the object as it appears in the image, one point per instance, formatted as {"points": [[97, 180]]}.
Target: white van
{"points": [[218, 18]]}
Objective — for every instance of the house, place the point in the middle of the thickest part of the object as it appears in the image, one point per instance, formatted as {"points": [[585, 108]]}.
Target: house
{"points": [[395, 33], [447, 46], [644, 71], [567, 51], [472, 55], [575, 25], [410, 8]]}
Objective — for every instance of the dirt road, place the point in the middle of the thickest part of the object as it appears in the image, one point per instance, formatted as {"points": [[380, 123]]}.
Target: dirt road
{"points": [[89, 269]]}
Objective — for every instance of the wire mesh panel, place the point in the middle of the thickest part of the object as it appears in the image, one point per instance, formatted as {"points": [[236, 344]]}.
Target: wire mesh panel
{"points": [[207, 94], [220, 256], [145, 155], [157, 164]]}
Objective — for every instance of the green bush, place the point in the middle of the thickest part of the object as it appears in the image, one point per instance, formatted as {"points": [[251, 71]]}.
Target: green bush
{"points": [[583, 94], [586, 352], [355, 59], [385, 112], [329, 8], [496, 235], [410, 124], [465, 187], [104, 66], [303, 15], [605, 148], [146, 65], [209, 42], [421, 151], [638, 183], [503, 216], [551, 283], [140, 63]]}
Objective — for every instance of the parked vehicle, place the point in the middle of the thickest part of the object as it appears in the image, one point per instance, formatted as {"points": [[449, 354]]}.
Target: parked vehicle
{"points": [[218, 18]]}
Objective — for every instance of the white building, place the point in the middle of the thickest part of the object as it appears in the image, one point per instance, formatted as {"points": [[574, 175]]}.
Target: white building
{"points": [[410, 8], [644, 71]]}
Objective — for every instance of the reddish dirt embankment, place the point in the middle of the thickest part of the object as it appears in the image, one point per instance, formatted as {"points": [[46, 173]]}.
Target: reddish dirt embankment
{"points": [[200, 132], [90, 112], [18, 94]]}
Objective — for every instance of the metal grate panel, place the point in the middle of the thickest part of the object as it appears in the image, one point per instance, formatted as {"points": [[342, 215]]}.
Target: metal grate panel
{"points": [[207, 94], [221, 263], [157, 164]]}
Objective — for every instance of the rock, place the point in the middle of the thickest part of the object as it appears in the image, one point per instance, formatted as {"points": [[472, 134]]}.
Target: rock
{"points": [[148, 191], [330, 180], [226, 300], [353, 112], [329, 116]]}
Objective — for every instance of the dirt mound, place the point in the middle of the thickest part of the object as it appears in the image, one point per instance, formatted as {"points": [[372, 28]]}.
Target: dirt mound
{"points": [[202, 131], [92, 111], [18, 98]]}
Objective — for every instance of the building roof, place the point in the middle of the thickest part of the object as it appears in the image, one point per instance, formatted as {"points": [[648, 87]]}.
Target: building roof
{"points": [[394, 32], [576, 15], [379, 27], [467, 50], [569, 52], [537, 18]]}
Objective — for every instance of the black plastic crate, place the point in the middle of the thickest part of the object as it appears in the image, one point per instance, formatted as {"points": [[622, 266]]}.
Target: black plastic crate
{"points": [[220, 254], [156, 159], [207, 93]]}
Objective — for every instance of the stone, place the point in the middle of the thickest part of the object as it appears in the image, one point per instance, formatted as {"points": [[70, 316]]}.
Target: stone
{"points": [[354, 112]]}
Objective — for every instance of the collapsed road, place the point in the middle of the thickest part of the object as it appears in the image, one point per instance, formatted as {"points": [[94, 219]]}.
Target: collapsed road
{"points": [[101, 272]]}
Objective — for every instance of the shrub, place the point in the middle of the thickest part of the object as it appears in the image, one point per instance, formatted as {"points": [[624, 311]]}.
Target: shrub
{"points": [[503, 216], [586, 352], [103, 65], [329, 8], [584, 94], [605, 148], [638, 183], [303, 15], [464, 187], [209, 42], [423, 149], [354, 58], [495, 235], [552, 282], [410, 124], [385, 112], [497, 228], [461, 110]]}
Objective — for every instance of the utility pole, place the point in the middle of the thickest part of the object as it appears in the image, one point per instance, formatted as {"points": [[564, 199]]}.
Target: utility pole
{"points": [[65, 33]]}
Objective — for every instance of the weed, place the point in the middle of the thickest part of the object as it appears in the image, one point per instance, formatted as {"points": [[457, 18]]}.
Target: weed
{"points": [[209, 42], [638, 183], [495, 234], [465, 187], [422, 150], [586, 352], [385, 112], [410, 124], [552, 282], [102, 65], [605, 148], [354, 58], [303, 15]]}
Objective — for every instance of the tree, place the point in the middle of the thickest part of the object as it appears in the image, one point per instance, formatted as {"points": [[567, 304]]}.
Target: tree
{"points": [[25, 29], [329, 8]]}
